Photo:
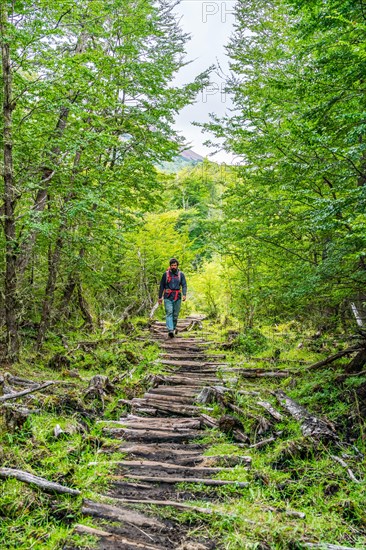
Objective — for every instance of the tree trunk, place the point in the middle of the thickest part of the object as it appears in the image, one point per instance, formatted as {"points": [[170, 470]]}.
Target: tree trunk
{"points": [[357, 363], [84, 308], [10, 287], [53, 264]]}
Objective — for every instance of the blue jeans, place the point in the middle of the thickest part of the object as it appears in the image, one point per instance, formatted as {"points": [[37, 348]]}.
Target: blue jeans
{"points": [[172, 310]]}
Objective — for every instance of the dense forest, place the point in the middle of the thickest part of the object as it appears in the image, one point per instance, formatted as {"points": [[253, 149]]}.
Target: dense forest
{"points": [[96, 198]]}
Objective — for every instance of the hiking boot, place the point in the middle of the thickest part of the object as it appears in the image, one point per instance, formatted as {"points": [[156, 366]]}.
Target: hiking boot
{"points": [[171, 334], [176, 331]]}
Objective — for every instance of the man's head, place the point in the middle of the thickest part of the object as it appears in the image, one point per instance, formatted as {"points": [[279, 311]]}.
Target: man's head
{"points": [[173, 264]]}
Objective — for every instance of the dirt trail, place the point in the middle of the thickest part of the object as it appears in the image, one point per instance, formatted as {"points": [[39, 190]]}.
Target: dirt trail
{"points": [[161, 441]]}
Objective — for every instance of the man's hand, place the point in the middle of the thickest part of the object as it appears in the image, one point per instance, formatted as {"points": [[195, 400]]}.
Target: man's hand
{"points": [[160, 301], [184, 298]]}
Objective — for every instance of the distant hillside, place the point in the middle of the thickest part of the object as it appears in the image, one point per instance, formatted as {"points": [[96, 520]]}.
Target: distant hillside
{"points": [[185, 159]]}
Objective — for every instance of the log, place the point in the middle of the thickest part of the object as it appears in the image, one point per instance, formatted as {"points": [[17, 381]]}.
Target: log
{"points": [[44, 484], [326, 546], [172, 455], [160, 426], [257, 373], [152, 435], [352, 349], [262, 443], [172, 423], [8, 396], [311, 425], [173, 504], [170, 398], [115, 513], [272, 411], [167, 407], [171, 390], [161, 466], [203, 481], [118, 540]]}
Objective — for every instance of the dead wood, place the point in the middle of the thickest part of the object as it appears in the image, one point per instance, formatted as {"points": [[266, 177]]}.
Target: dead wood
{"points": [[272, 411], [100, 386], [326, 546], [209, 421], [115, 513], [8, 396], [311, 425], [357, 363], [44, 484], [203, 481], [227, 460], [118, 540], [352, 349], [166, 467], [345, 465], [153, 435], [18, 381], [15, 416], [158, 426], [290, 513], [262, 443], [260, 373], [173, 504], [173, 399]]}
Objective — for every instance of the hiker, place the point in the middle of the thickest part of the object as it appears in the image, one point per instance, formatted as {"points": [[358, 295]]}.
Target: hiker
{"points": [[170, 284]]}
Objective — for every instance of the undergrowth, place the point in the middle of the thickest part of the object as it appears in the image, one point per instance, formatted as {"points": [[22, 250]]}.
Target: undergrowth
{"points": [[296, 494]]}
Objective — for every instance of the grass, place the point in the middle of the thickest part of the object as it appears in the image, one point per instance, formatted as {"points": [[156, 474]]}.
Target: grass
{"points": [[292, 473]]}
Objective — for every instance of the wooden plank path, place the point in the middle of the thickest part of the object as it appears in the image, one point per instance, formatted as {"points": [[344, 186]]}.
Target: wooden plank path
{"points": [[161, 441]]}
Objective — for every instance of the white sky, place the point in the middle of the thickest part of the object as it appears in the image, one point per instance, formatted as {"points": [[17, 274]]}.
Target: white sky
{"points": [[210, 24]]}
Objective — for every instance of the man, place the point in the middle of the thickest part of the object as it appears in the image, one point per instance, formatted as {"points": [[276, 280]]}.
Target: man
{"points": [[170, 284]]}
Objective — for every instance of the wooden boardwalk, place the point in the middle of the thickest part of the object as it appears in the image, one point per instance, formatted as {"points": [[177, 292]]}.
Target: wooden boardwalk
{"points": [[161, 440]]}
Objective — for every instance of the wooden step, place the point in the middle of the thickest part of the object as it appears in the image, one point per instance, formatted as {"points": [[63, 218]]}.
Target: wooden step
{"points": [[203, 481], [152, 435]]}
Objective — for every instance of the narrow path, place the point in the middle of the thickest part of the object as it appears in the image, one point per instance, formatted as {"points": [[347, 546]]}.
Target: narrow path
{"points": [[161, 441]]}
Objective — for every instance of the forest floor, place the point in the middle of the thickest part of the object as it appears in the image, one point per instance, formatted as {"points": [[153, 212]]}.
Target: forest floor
{"points": [[202, 453]]}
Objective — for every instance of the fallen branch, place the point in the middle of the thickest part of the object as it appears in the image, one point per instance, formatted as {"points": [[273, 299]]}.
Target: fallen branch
{"points": [[44, 484], [8, 396], [272, 411], [311, 425], [262, 443], [326, 546], [345, 465], [173, 504], [335, 356]]}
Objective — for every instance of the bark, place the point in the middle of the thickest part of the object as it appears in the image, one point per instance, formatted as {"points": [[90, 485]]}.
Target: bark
{"points": [[153, 436], [84, 308], [338, 355], [115, 513], [9, 396], [311, 425], [44, 484], [10, 196], [357, 363], [203, 481]]}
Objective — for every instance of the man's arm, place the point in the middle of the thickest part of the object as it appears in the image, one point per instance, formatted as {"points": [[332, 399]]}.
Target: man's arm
{"points": [[184, 287]]}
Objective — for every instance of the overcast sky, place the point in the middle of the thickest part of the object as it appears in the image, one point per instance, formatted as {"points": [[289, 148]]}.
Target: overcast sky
{"points": [[210, 24]]}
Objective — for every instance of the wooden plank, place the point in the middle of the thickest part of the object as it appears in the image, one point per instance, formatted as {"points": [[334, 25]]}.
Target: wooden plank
{"points": [[115, 513], [203, 481], [153, 435], [161, 466]]}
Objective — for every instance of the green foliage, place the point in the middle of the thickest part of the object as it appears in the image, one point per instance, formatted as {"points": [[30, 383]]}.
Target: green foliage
{"points": [[251, 341]]}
